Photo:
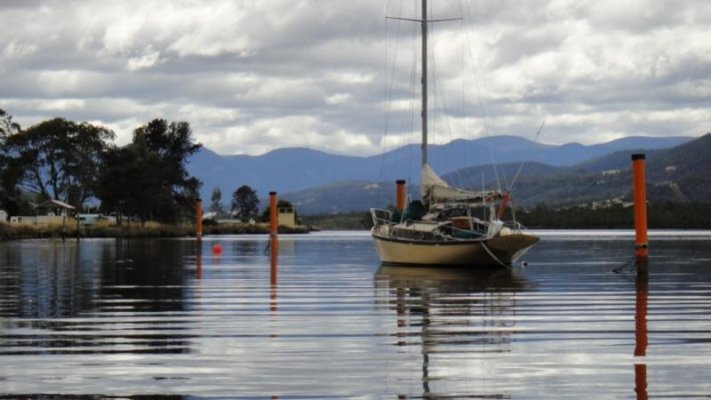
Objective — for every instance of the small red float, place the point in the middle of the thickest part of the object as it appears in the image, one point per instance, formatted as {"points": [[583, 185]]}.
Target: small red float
{"points": [[216, 249]]}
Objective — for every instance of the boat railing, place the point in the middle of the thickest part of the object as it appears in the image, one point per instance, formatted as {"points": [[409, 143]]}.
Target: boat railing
{"points": [[381, 216], [458, 233], [515, 225]]}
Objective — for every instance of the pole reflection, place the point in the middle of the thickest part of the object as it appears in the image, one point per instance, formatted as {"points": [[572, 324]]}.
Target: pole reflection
{"points": [[273, 263], [452, 310], [198, 259], [641, 336]]}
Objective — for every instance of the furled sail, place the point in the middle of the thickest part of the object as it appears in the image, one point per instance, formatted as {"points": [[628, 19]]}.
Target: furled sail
{"points": [[434, 189]]}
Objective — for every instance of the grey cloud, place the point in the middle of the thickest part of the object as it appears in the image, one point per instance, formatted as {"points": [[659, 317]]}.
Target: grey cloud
{"points": [[244, 73]]}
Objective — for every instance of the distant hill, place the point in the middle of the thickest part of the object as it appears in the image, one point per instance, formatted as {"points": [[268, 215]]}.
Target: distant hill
{"points": [[676, 174], [293, 170]]}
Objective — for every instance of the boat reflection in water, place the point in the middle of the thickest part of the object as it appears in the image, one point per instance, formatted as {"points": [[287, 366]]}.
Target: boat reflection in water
{"points": [[454, 315]]}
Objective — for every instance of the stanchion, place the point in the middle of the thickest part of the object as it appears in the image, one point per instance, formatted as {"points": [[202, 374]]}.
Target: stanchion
{"points": [[640, 213]]}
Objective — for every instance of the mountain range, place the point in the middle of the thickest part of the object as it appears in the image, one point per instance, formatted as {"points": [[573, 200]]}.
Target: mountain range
{"points": [[678, 174], [319, 182]]}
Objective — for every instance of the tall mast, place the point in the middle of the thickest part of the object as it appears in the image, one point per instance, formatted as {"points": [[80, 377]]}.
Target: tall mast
{"points": [[424, 82], [423, 22]]}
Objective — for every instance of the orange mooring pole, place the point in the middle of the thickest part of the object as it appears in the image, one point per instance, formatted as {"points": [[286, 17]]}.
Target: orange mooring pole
{"points": [[640, 212], [273, 216], [273, 238], [198, 219], [273, 224], [400, 194]]}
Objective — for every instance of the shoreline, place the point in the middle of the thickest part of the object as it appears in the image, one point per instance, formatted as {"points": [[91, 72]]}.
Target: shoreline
{"points": [[149, 230]]}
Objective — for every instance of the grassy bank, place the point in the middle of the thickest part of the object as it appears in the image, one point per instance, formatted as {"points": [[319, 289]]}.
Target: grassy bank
{"points": [[147, 230]]}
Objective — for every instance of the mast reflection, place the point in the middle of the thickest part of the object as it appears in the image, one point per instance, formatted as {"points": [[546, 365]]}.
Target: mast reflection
{"points": [[451, 309]]}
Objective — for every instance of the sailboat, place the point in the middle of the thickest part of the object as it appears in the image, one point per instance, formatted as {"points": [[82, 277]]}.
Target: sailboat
{"points": [[449, 226]]}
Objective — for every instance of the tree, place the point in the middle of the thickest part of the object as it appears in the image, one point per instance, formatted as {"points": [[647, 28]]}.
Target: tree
{"points": [[10, 170], [7, 126], [88, 144], [60, 158], [155, 183], [173, 144], [126, 187], [245, 202], [215, 199]]}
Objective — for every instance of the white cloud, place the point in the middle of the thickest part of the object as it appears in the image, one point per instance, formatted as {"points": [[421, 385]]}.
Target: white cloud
{"points": [[148, 59], [18, 49], [254, 76]]}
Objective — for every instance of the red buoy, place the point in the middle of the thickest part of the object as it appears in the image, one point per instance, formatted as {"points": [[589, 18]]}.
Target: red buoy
{"points": [[216, 249]]}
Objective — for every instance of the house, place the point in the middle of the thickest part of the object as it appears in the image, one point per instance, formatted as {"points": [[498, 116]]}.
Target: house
{"points": [[54, 212], [51, 212]]}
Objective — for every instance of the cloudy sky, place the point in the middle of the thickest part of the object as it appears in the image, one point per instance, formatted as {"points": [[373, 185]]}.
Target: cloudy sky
{"points": [[335, 75]]}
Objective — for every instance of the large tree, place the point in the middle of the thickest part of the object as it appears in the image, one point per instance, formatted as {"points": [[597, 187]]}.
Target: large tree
{"points": [[11, 171], [155, 183], [126, 183], [245, 202], [60, 158]]}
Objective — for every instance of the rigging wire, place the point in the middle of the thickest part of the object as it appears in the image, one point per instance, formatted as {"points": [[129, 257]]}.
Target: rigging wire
{"points": [[442, 121], [520, 167], [487, 122], [408, 112], [389, 74], [413, 102]]}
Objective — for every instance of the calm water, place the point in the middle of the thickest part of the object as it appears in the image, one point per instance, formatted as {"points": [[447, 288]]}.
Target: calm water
{"points": [[162, 318]]}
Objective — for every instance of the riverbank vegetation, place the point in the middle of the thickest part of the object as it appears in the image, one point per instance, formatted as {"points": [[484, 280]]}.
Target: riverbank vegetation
{"points": [[143, 186], [662, 215], [79, 165], [145, 230]]}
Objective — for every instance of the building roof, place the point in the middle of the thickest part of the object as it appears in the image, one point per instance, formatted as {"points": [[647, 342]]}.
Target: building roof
{"points": [[55, 204]]}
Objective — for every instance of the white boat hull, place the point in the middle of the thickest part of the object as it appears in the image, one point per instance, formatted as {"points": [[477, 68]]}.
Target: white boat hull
{"points": [[505, 249]]}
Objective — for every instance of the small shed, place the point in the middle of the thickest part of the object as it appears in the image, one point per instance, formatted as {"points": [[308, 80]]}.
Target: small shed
{"points": [[53, 212], [55, 208], [287, 217]]}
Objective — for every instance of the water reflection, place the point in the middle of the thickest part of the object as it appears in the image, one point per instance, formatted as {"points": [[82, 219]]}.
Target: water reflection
{"points": [[273, 272], [121, 318], [447, 311], [94, 397], [54, 281], [98, 296], [641, 336]]}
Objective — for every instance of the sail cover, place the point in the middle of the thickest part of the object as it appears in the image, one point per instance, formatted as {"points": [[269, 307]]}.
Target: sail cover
{"points": [[434, 189]]}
